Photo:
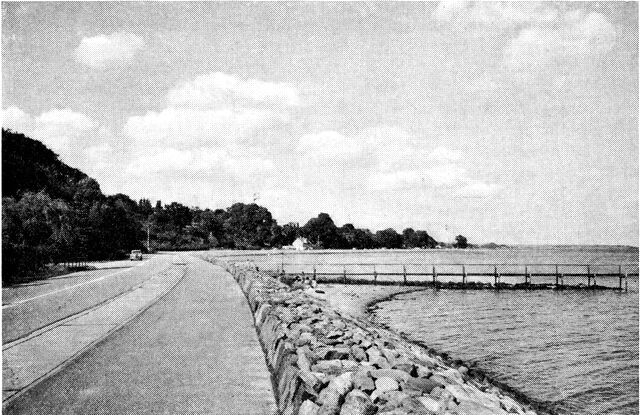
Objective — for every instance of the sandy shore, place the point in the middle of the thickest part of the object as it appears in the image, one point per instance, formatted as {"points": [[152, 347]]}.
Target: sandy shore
{"points": [[353, 299]]}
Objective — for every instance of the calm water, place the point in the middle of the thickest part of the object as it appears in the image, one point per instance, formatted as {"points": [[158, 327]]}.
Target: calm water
{"points": [[578, 350]]}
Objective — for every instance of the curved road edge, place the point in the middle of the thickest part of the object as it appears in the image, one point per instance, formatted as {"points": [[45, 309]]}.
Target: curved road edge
{"points": [[27, 362]]}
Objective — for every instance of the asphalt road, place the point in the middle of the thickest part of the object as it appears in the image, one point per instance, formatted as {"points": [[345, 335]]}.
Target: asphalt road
{"points": [[28, 307], [194, 351], [40, 288]]}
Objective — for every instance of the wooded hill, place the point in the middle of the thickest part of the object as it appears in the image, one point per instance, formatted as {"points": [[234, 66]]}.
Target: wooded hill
{"points": [[55, 213]]}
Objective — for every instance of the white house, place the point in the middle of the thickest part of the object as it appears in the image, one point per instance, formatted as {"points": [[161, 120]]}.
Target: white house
{"points": [[300, 244]]}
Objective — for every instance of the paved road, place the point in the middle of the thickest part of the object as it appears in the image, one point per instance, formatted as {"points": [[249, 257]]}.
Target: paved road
{"points": [[194, 351], [41, 288], [28, 307]]}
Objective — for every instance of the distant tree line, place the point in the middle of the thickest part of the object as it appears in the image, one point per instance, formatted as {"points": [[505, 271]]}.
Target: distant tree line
{"points": [[53, 213]]}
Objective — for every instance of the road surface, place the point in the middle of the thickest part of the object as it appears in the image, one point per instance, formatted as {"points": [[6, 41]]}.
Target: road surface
{"points": [[31, 306], [194, 351]]}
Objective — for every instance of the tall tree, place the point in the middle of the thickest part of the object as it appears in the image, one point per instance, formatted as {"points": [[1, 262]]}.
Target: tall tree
{"points": [[248, 225], [389, 238], [461, 242], [322, 232]]}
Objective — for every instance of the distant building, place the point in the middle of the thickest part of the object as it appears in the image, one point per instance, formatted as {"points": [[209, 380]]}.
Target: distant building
{"points": [[301, 244]]}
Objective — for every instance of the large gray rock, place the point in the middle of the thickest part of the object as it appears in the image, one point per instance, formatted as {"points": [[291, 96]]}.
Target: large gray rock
{"points": [[380, 363], [358, 403], [312, 382], [303, 360], [331, 396], [395, 374], [358, 353], [386, 384], [327, 366], [475, 408], [423, 385], [394, 398], [339, 353], [362, 381], [308, 408]]}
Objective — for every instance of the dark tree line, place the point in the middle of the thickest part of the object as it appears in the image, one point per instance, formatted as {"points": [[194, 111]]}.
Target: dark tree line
{"points": [[53, 213]]}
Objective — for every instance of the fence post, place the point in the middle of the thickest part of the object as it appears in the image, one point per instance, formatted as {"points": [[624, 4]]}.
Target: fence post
{"points": [[375, 276], [344, 273], [464, 276], [626, 283], [620, 277], [435, 275], [556, 276], [588, 276], [495, 276], [314, 272], [404, 274], [526, 274]]}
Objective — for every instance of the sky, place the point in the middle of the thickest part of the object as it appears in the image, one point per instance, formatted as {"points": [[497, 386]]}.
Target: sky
{"points": [[508, 122]]}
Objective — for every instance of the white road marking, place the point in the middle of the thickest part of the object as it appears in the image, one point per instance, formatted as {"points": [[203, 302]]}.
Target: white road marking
{"points": [[63, 289]]}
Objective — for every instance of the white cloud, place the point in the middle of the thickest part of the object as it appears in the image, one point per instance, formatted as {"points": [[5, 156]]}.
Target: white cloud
{"points": [[388, 159], [442, 154], [500, 14], [58, 129], [215, 110], [220, 90], [447, 174], [478, 189], [102, 50], [580, 37], [17, 120], [187, 127], [329, 144], [205, 161]]}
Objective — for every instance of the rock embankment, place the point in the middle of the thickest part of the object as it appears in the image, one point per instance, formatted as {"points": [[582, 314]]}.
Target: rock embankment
{"points": [[326, 363]]}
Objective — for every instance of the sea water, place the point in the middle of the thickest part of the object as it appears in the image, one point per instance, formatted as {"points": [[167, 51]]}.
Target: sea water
{"points": [[577, 350]]}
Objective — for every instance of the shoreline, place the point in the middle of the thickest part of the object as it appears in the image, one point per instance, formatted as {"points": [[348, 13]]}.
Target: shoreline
{"points": [[367, 307]]}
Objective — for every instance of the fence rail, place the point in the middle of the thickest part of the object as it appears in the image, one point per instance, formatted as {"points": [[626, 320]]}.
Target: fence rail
{"points": [[544, 274]]}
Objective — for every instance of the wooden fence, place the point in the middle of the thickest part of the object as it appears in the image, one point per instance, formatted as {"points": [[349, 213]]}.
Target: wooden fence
{"points": [[553, 274]]}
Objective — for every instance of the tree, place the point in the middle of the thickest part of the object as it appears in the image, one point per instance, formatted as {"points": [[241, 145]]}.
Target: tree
{"points": [[322, 232], [389, 238], [248, 226], [461, 242], [424, 240], [144, 208], [409, 238], [290, 232]]}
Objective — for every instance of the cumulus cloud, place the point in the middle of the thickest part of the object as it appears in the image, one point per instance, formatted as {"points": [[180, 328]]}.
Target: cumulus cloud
{"points": [[579, 36], [58, 128], [478, 189], [103, 50], [546, 43], [216, 109], [442, 154], [499, 14], [329, 144], [220, 89], [389, 159], [203, 160], [188, 127], [17, 120]]}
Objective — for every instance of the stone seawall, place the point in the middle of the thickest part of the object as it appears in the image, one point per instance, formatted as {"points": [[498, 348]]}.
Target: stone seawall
{"points": [[326, 363]]}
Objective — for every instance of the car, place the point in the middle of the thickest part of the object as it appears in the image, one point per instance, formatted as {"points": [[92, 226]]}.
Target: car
{"points": [[136, 255]]}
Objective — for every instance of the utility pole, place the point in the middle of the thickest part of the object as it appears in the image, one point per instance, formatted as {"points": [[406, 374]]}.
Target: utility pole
{"points": [[148, 236]]}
